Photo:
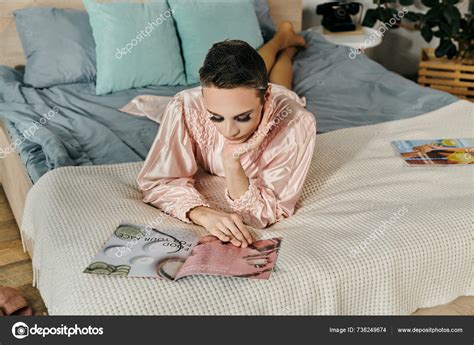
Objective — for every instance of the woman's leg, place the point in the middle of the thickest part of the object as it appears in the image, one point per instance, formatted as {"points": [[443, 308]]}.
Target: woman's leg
{"points": [[269, 52], [284, 37], [282, 71]]}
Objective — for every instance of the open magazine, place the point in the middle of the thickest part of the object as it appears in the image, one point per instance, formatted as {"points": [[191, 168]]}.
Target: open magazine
{"points": [[140, 251], [436, 151]]}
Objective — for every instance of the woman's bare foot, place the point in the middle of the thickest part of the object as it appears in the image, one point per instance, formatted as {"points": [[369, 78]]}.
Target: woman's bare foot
{"points": [[288, 37]]}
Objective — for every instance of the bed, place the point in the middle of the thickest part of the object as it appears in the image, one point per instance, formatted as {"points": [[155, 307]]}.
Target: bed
{"points": [[371, 236], [369, 96]]}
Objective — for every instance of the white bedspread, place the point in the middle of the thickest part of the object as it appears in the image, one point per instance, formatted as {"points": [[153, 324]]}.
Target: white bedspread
{"points": [[370, 235]]}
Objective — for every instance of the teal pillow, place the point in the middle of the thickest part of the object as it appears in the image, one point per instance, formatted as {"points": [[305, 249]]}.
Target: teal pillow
{"points": [[136, 45], [201, 23]]}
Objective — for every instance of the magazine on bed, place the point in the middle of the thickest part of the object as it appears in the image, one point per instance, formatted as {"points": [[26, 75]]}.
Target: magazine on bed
{"points": [[436, 151], [141, 251]]}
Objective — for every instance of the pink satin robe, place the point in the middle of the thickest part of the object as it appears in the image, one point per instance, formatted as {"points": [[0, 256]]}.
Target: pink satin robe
{"points": [[187, 138]]}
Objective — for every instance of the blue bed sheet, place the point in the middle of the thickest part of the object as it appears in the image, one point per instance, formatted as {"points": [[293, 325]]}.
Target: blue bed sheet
{"points": [[89, 130], [344, 92]]}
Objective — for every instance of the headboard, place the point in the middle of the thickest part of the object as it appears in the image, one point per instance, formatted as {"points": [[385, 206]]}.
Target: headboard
{"points": [[11, 52]]}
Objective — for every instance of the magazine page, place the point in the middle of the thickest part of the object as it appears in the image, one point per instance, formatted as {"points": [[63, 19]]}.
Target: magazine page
{"points": [[136, 250], [436, 151], [211, 256]]}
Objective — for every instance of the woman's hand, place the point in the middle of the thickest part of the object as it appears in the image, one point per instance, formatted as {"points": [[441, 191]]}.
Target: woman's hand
{"points": [[232, 152], [227, 227]]}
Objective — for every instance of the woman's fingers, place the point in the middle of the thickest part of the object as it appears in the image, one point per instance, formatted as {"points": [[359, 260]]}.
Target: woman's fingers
{"points": [[230, 228], [220, 235], [243, 229], [229, 222], [223, 228]]}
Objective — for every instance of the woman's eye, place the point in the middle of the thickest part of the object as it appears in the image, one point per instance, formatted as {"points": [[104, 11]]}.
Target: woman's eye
{"points": [[216, 119], [244, 119]]}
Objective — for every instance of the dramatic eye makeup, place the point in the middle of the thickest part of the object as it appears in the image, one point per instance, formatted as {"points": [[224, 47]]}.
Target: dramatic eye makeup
{"points": [[215, 118], [244, 117]]}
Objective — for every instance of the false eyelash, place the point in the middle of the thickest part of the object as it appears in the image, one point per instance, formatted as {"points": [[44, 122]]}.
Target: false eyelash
{"points": [[220, 119], [215, 119], [245, 119]]}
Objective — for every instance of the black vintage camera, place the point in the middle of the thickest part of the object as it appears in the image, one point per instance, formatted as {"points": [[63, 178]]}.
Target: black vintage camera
{"points": [[337, 15]]}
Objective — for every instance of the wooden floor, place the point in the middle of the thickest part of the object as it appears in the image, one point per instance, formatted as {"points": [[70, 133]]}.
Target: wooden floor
{"points": [[15, 265], [16, 270]]}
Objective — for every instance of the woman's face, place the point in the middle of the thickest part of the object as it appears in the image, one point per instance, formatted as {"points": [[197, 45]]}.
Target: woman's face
{"points": [[236, 113]]}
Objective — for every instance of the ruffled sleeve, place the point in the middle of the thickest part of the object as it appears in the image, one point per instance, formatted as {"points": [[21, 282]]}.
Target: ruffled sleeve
{"points": [[166, 178], [274, 192]]}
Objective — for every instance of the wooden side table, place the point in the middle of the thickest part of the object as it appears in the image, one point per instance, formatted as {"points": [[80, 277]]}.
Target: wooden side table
{"points": [[453, 76]]}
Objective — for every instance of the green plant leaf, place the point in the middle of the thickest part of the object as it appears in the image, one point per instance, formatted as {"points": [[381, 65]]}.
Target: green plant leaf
{"points": [[430, 3], [426, 33], [406, 2], [370, 18], [431, 23], [455, 26], [445, 28], [452, 51], [434, 14], [384, 14], [412, 16], [393, 13], [444, 47], [451, 13]]}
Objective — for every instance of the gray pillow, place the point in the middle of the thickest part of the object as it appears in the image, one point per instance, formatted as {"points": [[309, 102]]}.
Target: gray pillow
{"points": [[58, 46], [265, 21]]}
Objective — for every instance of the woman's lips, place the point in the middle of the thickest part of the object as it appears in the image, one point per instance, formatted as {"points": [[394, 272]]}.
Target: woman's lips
{"points": [[235, 139]]}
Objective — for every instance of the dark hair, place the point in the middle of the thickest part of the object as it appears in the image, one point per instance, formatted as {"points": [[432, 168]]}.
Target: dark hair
{"points": [[234, 63]]}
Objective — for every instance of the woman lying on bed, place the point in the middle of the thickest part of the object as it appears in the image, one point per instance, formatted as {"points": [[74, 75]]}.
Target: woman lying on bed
{"points": [[237, 125]]}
